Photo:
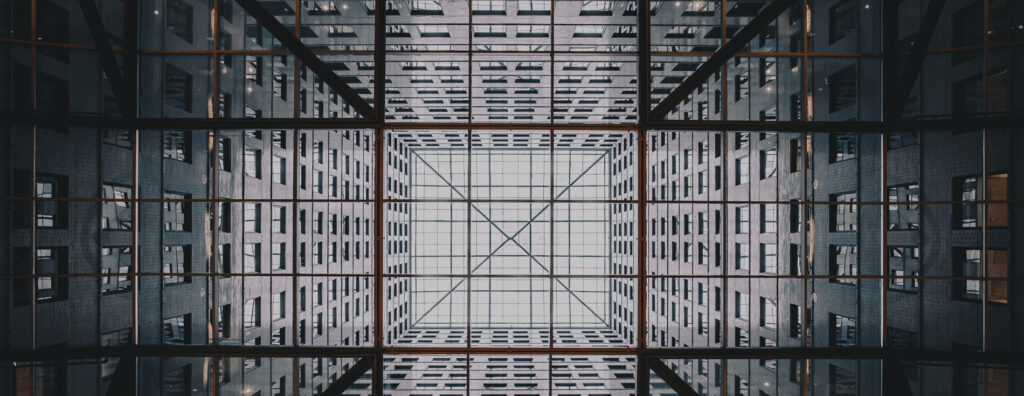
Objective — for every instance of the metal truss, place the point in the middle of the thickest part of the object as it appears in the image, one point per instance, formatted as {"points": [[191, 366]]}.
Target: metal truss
{"points": [[371, 358]]}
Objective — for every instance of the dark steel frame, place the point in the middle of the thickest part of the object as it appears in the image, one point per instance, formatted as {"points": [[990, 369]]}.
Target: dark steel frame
{"points": [[648, 359]]}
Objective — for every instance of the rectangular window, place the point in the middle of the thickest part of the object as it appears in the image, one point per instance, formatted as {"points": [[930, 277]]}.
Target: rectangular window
{"points": [[769, 163], [178, 330], [769, 218], [177, 88], [116, 264], [842, 89], [51, 261], [843, 216], [51, 213], [904, 261], [116, 215], [179, 19], [177, 260], [842, 146], [742, 306], [252, 313], [904, 212], [743, 219], [842, 20], [253, 162], [178, 145], [253, 213], [841, 382], [965, 215], [843, 331], [251, 259], [769, 313], [769, 258], [177, 212], [843, 264]]}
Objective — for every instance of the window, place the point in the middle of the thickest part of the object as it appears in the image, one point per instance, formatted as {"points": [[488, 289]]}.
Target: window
{"points": [[743, 219], [842, 146], [51, 213], [116, 215], [841, 382], [253, 162], [903, 217], [51, 261], [178, 145], [996, 214], [769, 258], [769, 163], [251, 259], [769, 313], [996, 266], [426, 7], [742, 256], [904, 261], [843, 217], [742, 170], [489, 7], [115, 265], [277, 306], [844, 331], [769, 218], [795, 321], [179, 19], [178, 330], [534, 7], [842, 89], [596, 7], [278, 218], [842, 20], [843, 264], [965, 215], [177, 88], [742, 306], [253, 213], [252, 313], [177, 213], [177, 260]]}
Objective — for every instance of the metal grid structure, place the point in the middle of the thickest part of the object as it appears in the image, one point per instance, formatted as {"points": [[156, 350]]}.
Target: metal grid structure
{"points": [[654, 117]]}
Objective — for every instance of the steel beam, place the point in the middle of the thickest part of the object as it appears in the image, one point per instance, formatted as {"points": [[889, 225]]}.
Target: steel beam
{"points": [[898, 102], [339, 386], [671, 378], [840, 353], [106, 56], [765, 17], [307, 57], [924, 125]]}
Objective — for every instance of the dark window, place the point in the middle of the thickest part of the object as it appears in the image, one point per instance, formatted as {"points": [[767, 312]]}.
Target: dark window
{"points": [[843, 217], [178, 330], [967, 97], [904, 211], [179, 19], [843, 331], [841, 382], [842, 146], [842, 88], [50, 213], [842, 20], [843, 264], [177, 88]]}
